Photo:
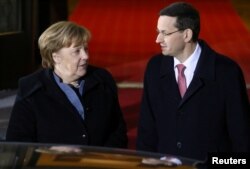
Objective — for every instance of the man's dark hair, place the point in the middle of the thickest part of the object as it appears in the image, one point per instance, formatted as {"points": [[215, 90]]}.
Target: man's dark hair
{"points": [[187, 17]]}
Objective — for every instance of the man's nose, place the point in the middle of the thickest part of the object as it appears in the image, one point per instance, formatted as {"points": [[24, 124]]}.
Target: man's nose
{"points": [[159, 38]]}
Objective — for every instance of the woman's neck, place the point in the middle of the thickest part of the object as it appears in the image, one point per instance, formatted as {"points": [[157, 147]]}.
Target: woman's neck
{"points": [[67, 79]]}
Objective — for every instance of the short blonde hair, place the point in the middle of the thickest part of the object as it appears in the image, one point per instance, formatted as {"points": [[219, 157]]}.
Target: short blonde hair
{"points": [[59, 35]]}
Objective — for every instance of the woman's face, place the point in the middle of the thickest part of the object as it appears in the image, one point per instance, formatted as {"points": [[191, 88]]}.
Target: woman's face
{"points": [[71, 62]]}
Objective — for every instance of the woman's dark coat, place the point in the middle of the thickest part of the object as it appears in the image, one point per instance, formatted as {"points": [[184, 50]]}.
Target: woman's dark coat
{"points": [[42, 112]]}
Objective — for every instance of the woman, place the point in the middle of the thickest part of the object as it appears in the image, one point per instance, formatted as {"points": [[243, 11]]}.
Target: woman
{"points": [[68, 101]]}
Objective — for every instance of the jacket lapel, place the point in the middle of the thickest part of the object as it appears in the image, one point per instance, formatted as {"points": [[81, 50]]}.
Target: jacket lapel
{"points": [[204, 72], [91, 80], [53, 91], [194, 87], [167, 79]]}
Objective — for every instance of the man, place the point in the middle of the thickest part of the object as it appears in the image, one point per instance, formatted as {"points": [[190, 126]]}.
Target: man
{"points": [[202, 110]]}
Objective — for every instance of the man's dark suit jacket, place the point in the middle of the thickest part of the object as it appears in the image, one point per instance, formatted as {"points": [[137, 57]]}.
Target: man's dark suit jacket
{"points": [[42, 112], [212, 116]]}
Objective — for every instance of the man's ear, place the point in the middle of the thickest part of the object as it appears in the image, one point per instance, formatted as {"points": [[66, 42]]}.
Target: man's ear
{"points": [[56, 58], [188, 34]]}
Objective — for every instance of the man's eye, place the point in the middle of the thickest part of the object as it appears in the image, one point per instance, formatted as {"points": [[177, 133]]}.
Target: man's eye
{"points": [[161, 33]]}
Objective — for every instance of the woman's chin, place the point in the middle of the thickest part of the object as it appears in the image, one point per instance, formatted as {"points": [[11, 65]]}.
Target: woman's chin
{"points": [[82, 72]]}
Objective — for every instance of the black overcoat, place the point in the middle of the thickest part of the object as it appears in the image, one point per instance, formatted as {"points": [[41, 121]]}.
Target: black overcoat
{"points": [[42, 112], [212, 116]]}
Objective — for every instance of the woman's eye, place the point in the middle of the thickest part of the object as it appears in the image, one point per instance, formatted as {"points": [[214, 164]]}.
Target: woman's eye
{"points": [[77, 51]]}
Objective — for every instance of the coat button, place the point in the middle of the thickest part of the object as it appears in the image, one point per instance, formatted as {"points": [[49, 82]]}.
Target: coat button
{"points": [[84, 135], [179, 145], [87, 109]]}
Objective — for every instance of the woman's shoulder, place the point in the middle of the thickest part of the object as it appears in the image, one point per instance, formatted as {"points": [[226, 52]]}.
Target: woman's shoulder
{"points": [[96, 69], [99, 72], [32, 77], [102, 75], [30, 83]]}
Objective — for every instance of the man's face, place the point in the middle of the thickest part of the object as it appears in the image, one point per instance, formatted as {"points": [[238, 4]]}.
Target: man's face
{"points": [[169, 37]]}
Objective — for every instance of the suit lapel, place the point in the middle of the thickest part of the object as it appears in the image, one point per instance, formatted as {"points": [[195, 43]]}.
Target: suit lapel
{"points": [[204, 72], [194, 87], [167, 79]]}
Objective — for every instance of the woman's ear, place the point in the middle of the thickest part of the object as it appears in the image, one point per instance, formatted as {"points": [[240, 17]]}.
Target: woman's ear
{"points": [[188, 34], [56, 58]]}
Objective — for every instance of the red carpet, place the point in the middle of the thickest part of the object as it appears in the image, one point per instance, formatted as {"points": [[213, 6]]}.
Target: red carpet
{"points": [[123, 39], [130, 99], [124, 32]]}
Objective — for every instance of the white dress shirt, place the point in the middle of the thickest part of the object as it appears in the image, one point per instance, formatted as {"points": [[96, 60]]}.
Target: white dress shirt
{"points": [[190, 64]]}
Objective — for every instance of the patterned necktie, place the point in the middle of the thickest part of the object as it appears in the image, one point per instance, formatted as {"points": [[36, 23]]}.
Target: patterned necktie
{"points": [[181, 79]]}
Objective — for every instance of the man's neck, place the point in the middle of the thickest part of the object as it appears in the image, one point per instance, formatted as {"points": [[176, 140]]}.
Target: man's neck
{"points": [[187, 51]]}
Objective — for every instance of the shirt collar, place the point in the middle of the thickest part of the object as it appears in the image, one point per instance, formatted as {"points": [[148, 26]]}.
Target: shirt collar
{"points": [[192, 60], [61, 84]]}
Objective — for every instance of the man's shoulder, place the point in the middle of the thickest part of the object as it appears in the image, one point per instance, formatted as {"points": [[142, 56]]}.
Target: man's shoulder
{"points": [[225, 60], [220, 59], [156, 61], [156, 58]]}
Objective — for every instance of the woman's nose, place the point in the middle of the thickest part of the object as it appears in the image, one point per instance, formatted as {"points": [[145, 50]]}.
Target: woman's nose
{"points": [[84, 54]]}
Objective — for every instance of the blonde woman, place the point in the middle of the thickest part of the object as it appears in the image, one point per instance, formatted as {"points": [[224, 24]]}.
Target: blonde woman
{"points": [[68, 101]]}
